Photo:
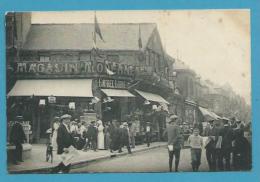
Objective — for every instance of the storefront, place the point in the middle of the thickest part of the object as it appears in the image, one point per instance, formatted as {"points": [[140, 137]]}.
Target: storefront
{"points": [[70, 76], [42, 93]]}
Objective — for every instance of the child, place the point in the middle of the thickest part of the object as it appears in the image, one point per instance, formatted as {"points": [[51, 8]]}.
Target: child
{"points": [[196, 144]]}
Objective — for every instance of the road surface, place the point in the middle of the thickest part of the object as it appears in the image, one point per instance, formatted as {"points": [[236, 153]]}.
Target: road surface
{"points": [[154, 160]]}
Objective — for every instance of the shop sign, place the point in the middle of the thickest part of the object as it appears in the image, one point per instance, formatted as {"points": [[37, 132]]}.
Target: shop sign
{"points": [[74, 68], [104, 83], [52, 100]]}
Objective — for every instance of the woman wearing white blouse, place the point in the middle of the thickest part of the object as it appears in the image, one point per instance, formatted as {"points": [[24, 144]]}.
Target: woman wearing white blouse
{"points": [[101, 137]]}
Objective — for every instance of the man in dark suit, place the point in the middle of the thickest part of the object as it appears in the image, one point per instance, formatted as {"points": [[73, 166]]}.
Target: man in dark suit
{"points": [[212, 132], [64, 137], [17, 137], [92, 135], [148, 133], [124, 137], [226, 146]]}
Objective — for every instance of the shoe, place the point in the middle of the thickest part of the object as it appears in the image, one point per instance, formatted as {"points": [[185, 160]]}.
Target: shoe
{"points": [[21, 161]]}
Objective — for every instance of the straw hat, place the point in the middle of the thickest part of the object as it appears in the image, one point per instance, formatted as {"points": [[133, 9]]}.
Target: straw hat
{"points": [[65, 116]]}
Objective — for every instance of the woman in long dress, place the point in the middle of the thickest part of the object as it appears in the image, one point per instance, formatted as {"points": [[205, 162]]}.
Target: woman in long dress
{"points": [[101, 137], [55, 126]]}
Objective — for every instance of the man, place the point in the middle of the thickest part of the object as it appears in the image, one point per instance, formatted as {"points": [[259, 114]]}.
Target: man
{"points": [[210, 145], [64, 137], [17, 137], [92, 135], [233, 123], [226, 147], [132, 133], [174, 141], [148, 133], [125, 138], [241, 152]]}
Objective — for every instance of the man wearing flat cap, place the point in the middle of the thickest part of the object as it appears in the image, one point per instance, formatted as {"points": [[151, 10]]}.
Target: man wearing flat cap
{"points": [[64, 137], [17, 137], [174, 137]]}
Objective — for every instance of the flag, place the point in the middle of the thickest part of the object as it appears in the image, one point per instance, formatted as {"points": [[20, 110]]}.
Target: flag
{"points": [[97, 30], [139, 39]]}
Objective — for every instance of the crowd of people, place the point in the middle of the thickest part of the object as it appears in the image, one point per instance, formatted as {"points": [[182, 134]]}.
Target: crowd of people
{"points": [[96, 136], [226, 146], [112, 136]]}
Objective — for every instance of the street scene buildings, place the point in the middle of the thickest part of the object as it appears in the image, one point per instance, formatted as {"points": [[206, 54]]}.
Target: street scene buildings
{"points": [[100, 77]]}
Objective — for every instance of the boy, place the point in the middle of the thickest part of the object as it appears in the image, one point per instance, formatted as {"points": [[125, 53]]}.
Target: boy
{"points": [[196, 144]]}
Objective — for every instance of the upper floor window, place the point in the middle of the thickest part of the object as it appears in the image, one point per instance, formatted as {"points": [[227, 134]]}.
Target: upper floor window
{"points": [[44, 58], [113, 58]]}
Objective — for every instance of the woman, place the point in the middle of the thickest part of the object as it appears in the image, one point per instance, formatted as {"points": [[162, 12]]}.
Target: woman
{"points": [[55, 126], [107, 137], [101, 137]]}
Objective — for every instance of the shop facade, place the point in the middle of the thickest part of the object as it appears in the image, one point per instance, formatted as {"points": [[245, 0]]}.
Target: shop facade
{"points": [[87, 83]]}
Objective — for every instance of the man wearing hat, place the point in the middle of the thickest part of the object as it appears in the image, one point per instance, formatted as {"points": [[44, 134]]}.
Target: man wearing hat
{"points": [[212, 133], [92, 135], [226, 146], [64, 137], [148, 133], [125, 138], [17, 137], [174, 137]]}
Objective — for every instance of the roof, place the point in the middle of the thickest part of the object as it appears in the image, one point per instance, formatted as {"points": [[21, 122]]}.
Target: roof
{"points": [[79, 36], [180, 65]]}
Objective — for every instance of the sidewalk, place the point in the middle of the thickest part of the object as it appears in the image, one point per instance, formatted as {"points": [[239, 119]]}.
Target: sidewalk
{"points": [[37, 162]]}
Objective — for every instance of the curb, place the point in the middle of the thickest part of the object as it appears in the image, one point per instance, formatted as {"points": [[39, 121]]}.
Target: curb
{"points": [[78, 164]]}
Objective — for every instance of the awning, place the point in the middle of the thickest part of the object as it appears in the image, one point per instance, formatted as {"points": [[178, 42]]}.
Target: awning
{"points": [[152, 97], [208, 115], [117, 93], [54, 87]]}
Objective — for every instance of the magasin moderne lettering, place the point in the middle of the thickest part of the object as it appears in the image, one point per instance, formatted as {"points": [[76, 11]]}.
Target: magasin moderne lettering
{"points": [[80, 67]]}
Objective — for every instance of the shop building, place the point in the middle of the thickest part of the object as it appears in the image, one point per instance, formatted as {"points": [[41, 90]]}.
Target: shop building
{"points": [[60, 71]]}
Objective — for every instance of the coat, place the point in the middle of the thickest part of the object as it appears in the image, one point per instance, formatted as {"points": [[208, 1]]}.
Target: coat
{"points": [[212, 132], [174, 136], [17, 135], [92, 133], [228, 136], [64, 139], [124, 136]]}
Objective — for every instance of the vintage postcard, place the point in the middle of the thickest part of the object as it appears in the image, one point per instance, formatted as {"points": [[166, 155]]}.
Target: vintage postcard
{"points": [[128, 91]]}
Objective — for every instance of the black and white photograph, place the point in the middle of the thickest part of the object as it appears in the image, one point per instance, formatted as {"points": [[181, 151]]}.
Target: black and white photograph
{"points": [[128, 91]]}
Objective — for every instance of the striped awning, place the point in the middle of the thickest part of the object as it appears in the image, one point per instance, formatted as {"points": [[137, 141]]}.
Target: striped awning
{"points": [[208, 115], [117, 93], [152, 97]]}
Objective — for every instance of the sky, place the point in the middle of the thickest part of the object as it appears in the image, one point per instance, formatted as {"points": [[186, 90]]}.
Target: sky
{"points": [[214, 43]]}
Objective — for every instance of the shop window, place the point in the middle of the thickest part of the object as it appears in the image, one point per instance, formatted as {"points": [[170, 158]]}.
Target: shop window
{"points": [[44, 58]]}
